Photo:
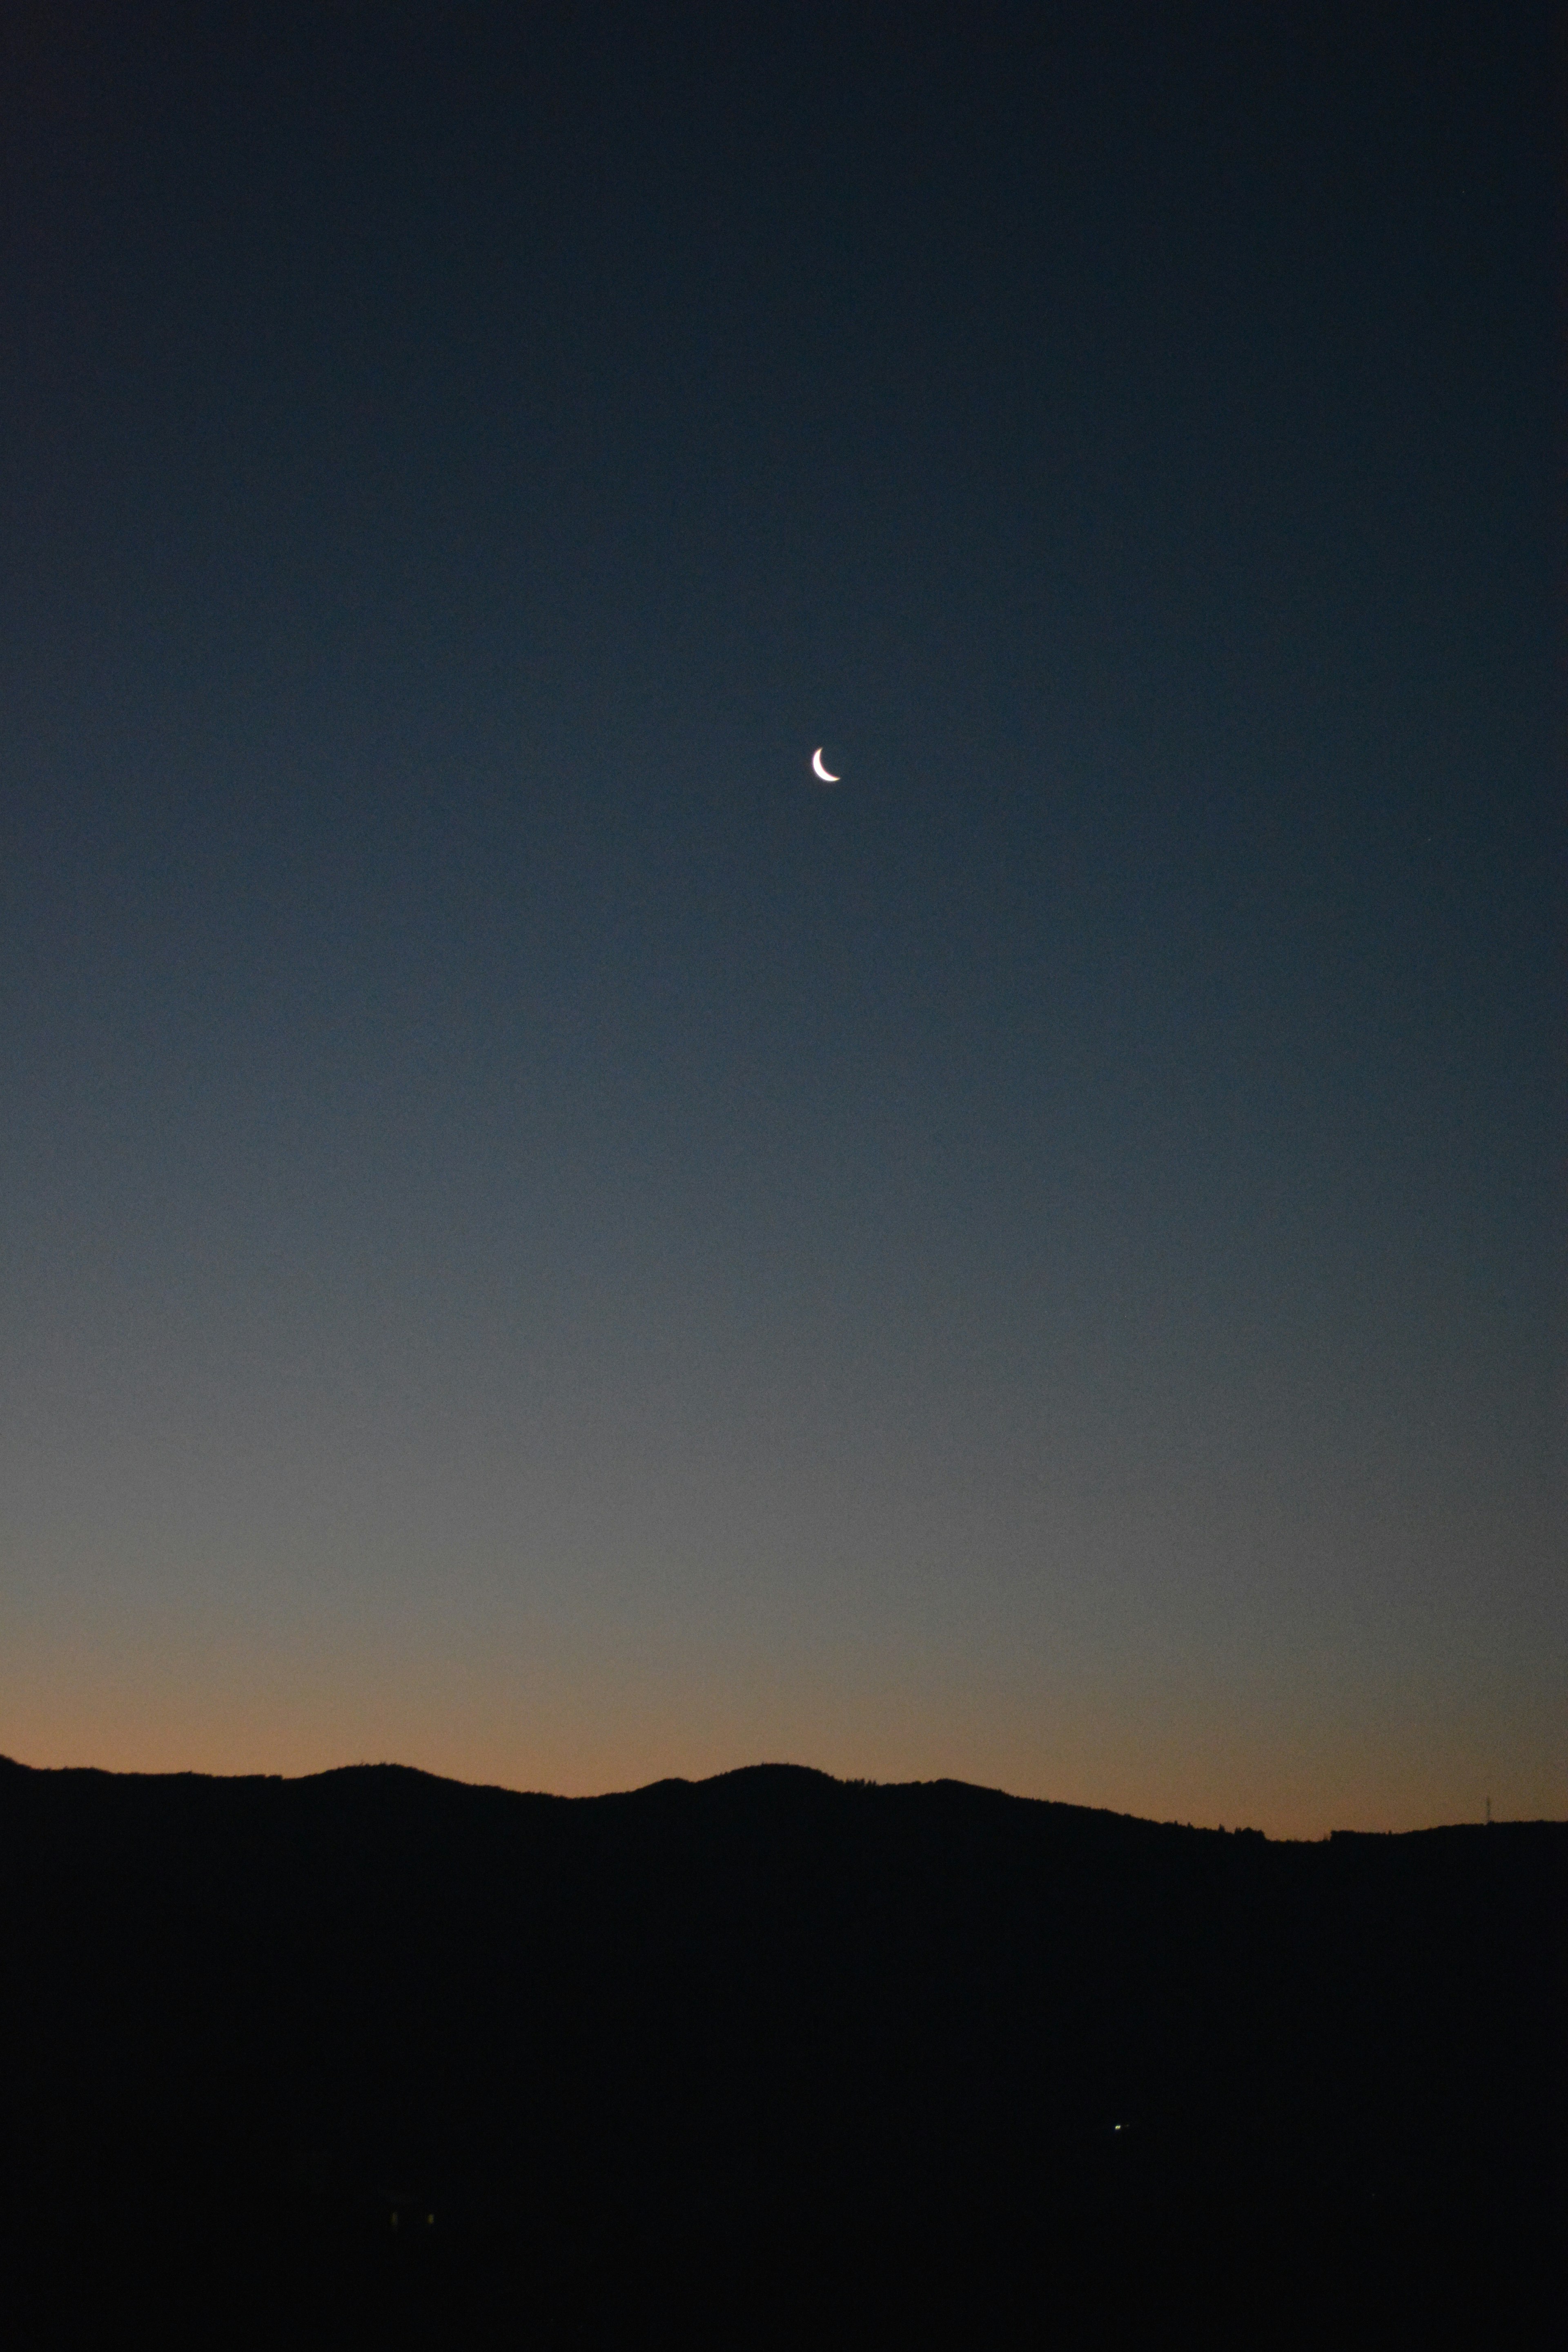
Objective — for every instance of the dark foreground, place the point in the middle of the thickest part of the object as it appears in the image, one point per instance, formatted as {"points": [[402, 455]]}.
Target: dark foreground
{"points": [[768, 2061]]}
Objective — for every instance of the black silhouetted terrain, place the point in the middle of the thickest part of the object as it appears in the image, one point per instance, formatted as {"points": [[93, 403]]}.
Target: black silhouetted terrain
{"points": [[769, 2059]]}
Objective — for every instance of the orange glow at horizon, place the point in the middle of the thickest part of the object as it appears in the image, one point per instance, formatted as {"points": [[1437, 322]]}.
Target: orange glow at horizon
{"points": [[135, 1712]]}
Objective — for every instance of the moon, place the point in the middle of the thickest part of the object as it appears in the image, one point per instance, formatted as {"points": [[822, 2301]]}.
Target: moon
{"points": [[818, 769]]}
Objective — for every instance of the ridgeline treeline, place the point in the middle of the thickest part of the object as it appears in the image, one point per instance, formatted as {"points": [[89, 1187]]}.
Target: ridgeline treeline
{"points": [[769, 2059]]}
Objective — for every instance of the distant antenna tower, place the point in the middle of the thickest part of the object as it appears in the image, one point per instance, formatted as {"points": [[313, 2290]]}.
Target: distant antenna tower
{"points": [[1488, 1812]]}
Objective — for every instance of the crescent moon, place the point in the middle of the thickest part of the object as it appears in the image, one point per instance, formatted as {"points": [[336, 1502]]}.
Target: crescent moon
{"points": [[818, 768]]}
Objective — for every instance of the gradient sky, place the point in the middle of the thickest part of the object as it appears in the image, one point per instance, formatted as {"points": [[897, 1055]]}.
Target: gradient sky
{"points": [[540, 1243]]}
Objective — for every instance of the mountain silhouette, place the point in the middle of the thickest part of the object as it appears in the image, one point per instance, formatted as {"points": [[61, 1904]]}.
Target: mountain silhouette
{"points": [[769, 2059]]}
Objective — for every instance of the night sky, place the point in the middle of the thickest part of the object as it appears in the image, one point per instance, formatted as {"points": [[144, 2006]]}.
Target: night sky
{"points": [[539, 1242]]}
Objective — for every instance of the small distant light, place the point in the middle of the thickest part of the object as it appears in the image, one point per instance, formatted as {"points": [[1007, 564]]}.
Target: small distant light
{"points": [[1116, 2127]]}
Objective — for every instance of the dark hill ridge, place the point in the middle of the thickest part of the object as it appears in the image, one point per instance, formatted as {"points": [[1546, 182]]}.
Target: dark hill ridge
{"points": [[590, 2032]]}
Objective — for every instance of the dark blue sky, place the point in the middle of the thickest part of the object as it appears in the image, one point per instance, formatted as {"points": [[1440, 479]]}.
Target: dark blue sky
{"points": [[541, 1242]]}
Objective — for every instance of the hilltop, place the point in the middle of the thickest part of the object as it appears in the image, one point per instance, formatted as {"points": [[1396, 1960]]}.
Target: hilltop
{"points": [[919, 2043]]}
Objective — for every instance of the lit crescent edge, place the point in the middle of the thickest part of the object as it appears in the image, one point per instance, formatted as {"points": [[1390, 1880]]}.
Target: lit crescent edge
{"points": [[820, 769]]}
